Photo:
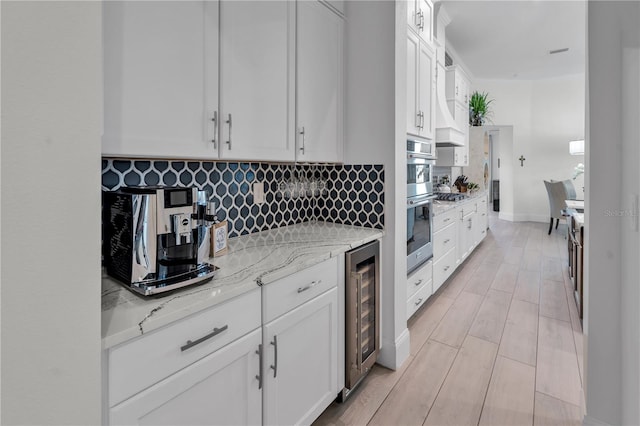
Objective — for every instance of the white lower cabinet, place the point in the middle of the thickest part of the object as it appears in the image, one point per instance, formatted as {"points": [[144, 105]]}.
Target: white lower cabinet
{"points": [[301, 362], [220, 389], [481, 223], [419, 287]]}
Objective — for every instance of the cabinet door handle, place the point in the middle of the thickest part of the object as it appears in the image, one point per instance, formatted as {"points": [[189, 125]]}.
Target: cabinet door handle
{"points": [[446, 241], [446, 220], [421, 119], [419, 301], [302, 133], [215, 128], [274, 367], [418, 119], [417, 283], [456, 90], [259, 376], [446, 268], [229, 141], [307, 287], [193, 343], [422, 20]]}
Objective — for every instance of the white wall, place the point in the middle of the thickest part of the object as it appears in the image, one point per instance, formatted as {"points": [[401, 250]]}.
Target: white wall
{"points": [[611, 275], [372, 137], [545, 115], [51, 126]]}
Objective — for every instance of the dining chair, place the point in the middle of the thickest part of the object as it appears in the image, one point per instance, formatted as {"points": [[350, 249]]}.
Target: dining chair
{"points": [[557, 192]]}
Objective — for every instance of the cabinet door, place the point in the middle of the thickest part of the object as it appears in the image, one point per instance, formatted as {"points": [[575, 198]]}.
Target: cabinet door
{"points": [[427, 86], [480, 224], [300, 362], [320, 79], [426, 20], [465, 236], [413, 15], [154, 78], [256, 84], [413, 113], [220, 389]]}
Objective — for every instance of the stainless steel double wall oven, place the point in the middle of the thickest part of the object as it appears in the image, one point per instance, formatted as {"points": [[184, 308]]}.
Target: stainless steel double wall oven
{"points": [[421, 159]]}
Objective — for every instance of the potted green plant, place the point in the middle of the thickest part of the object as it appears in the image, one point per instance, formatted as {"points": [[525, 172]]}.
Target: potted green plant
{"points": [[479, 109]]}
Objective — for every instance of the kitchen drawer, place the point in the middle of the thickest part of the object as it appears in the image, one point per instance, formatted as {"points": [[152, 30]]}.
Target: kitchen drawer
{"points": [[285, 294], [443, 241], [443, 268], [418, 278], [467, 209], [136, 365], [418, 299], [444, 219]]}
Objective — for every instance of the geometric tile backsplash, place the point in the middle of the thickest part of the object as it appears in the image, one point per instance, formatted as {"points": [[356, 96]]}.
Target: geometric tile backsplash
{"points": [[347, 194]]}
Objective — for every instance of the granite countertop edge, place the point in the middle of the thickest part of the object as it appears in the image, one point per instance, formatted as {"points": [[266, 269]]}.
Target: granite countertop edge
{"points": [[253, 260]]}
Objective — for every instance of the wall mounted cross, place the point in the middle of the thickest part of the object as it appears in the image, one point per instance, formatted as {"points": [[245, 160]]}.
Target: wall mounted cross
{"points": [[522, 160]]}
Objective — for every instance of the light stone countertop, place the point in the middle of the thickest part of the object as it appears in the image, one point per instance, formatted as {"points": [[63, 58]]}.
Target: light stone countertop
{"points": [[254, 259], [441, 207]]}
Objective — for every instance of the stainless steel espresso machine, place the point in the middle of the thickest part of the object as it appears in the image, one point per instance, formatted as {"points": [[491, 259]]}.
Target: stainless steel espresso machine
{"points": [[157, 239]]}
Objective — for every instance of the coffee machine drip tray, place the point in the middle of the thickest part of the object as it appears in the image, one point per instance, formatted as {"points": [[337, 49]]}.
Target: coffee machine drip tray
{"points": [[203, 273]]}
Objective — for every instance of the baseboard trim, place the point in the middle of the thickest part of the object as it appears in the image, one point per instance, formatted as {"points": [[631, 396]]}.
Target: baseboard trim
{"points": [[394, 353], [591, 421]]}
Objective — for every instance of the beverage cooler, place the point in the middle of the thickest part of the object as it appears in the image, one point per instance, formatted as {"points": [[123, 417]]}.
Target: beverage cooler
{"points": [[362, 313]]}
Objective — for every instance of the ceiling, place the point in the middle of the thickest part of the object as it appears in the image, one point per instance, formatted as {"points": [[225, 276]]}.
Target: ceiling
{"points": [[512, 39]]}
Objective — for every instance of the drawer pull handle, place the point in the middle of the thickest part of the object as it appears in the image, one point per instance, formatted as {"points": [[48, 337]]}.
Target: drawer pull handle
{"points": [[446, 268], [214, 333], [447, 219], [274, 367], [447, 240], [418, 282], [419, 301], [259, 376], [305, 288]]}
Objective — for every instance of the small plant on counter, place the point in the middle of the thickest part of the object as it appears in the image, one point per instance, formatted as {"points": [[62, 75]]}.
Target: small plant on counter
{"points": [[479, 109], [471, 186]]}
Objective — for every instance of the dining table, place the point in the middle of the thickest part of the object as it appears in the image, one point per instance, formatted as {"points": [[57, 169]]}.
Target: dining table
{"points": [[577, 205]]}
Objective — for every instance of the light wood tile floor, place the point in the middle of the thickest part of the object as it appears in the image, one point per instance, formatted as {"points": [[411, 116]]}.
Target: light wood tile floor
{"points": [[499, 344]]}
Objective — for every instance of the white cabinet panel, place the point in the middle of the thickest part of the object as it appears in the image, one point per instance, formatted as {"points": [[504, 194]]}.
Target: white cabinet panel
{"points": [[256, 84], [154, 78], [161, 349], [413, 109], [420, 18], [427, 90], [294, 290], [300, 362], [320, 80], [220, 389], [420, 87], [443, 268]]}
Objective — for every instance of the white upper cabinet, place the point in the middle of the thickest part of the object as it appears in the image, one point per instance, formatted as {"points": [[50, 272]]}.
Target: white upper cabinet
{"points": [[457, 85], [156, 80], [420, 18], [256, 84], [320, 83], [420, 88]]}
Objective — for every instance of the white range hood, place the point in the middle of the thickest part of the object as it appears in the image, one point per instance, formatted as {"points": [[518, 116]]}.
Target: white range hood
{"points": [[447, 131]]}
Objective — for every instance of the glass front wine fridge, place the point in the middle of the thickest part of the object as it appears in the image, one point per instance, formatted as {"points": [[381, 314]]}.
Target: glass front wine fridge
{"points": [[362, 313]]}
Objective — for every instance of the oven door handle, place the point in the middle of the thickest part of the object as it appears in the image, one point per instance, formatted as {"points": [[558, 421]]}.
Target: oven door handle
{"points": [[359, 327], [418, 201], [416, 156]]}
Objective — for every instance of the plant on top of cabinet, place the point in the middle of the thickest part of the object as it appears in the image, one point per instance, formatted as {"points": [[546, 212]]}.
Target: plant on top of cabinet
{"points": [[479, 109]]}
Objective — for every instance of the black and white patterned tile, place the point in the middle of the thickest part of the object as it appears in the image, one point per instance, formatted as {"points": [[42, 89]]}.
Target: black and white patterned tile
{"points": [[346, 194]]}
